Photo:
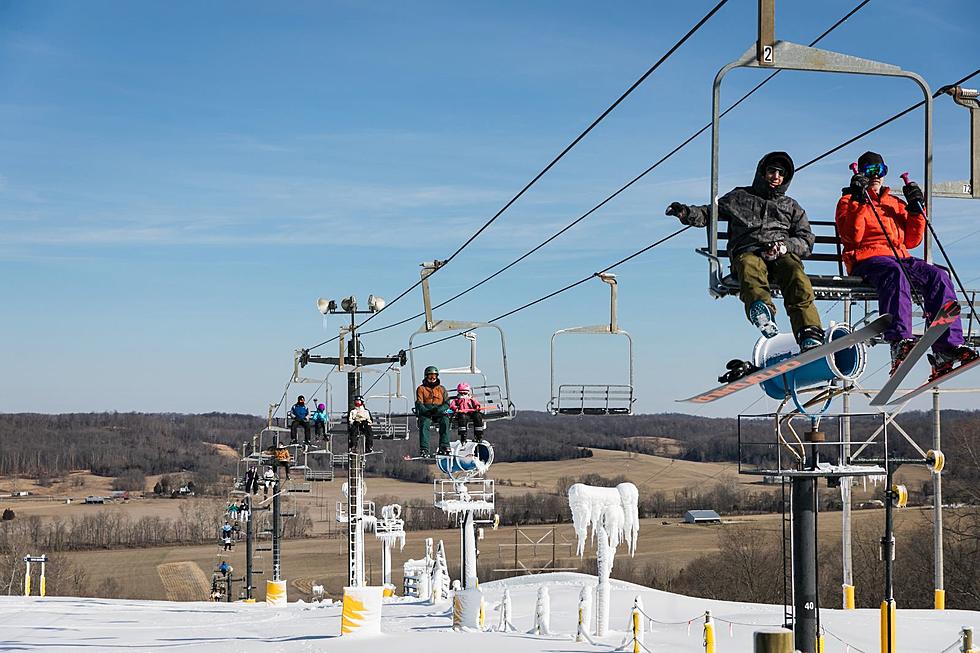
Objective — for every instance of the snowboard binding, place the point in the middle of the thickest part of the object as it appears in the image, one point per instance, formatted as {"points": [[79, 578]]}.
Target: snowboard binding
{"points": [[736, 370]]}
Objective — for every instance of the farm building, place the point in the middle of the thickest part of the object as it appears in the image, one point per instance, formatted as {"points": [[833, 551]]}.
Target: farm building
{"points": [[702, 517]]}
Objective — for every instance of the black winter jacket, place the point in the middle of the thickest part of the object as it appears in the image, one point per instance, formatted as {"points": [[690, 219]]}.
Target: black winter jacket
{"points": [[758, 215]]}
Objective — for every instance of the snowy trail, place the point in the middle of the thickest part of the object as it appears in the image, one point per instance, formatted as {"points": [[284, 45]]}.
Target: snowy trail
{"points": [[56, 624]]}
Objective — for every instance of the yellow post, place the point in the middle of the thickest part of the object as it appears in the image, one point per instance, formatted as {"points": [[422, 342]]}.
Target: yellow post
{"points": [[819, 643], [42, 579], [27, 582], [888, 633], [848, 597], [709, 633], [940, 600], [636, 629]]}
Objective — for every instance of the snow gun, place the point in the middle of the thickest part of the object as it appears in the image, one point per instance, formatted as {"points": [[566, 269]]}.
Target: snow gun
{"points": [[847, 364], [466, 459]]}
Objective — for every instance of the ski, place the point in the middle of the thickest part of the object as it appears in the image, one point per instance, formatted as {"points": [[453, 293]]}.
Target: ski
{"points": [[947, 314], [781, 367], [929, 385], [425, 459]]}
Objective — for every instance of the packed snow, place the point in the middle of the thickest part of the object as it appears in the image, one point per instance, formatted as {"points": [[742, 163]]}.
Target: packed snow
{"points": [[55, 624]]}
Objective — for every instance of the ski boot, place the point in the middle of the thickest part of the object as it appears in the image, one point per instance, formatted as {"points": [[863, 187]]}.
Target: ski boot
{"points": [[736, 370], [899, 351], [763, 318], [810, 337], [943, 362]]}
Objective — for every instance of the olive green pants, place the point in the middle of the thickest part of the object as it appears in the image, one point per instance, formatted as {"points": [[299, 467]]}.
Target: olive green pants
{"points": [[787, 272]]}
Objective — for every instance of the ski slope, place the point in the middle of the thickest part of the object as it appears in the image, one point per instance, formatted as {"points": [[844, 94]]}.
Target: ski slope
{"points": [[56, 624]]}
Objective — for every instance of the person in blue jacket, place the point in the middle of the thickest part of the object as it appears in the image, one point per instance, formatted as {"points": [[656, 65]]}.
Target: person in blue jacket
{"points": [[301, 418], [320, 421]]}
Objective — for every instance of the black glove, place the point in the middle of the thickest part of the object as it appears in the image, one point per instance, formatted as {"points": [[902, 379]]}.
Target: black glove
{"points": [[681, 211], [859, 186], [914, 196], [773, 250]]}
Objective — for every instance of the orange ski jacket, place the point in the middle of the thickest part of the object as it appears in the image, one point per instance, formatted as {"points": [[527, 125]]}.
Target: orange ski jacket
{"points": [[861, 235]]}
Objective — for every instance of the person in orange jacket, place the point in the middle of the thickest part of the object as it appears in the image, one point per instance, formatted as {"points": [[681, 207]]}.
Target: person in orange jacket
{"points": [[882, 257], [432, 405]]}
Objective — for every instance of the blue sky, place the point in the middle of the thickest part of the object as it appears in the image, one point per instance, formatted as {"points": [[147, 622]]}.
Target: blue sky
{"points": [[180, 181]]}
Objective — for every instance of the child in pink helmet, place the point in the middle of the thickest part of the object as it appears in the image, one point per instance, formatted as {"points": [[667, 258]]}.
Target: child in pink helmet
{"points": [[467, 409]]}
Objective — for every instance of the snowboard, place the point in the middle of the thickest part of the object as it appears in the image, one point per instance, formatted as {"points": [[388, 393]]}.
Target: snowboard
{"points": [[929, 385], [863, 334], [947, 314]]}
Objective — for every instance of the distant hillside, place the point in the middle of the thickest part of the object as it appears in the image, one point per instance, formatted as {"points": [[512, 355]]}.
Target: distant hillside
{"points": [[111, 443]]}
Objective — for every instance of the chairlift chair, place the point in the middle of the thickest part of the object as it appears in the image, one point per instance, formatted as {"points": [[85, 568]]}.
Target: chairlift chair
{"points": [[769, 54], [495, 399], [594, 398], [392, 422]]}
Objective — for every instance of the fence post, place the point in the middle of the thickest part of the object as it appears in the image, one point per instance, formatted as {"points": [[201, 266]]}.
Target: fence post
{"points": [[773, 641], [635, 626], [709, 633], [584, 615], [967, 640]]}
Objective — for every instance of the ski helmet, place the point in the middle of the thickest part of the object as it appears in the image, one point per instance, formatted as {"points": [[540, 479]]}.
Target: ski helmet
{"points": [[463, 387], [321, 407], [431, 369], [358, 400]]}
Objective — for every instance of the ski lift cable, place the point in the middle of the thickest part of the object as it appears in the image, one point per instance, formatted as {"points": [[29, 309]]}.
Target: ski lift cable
{"points": [[623, 188], [881, 124], [555, 160], [568, 287]]}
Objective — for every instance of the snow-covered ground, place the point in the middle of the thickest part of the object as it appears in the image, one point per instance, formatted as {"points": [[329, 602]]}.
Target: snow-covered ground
{"points": [[73, 624]]}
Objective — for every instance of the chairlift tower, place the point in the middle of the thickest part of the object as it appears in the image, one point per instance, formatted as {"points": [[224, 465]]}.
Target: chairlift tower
{"points": [[351, 361]]}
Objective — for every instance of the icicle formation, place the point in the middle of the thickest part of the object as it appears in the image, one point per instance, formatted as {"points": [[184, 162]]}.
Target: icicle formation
{"points": [[615, 508]]}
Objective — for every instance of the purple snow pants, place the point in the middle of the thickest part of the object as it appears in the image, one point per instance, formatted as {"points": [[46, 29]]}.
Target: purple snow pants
{"points": [[894, 295]]}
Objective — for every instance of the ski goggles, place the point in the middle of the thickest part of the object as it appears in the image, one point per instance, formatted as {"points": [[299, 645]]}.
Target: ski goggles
{"points": [[772, 169], [874, 170]]}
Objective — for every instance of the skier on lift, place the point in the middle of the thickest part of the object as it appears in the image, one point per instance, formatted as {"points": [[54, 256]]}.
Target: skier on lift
{"points": [[882, 258], [769, 235], [359, 422], [432, 403], [301, 418], [320, 421], [467, 409]]}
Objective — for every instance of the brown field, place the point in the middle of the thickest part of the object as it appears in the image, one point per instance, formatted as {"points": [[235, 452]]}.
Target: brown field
{"points": [[323, 560], [158, 573]]}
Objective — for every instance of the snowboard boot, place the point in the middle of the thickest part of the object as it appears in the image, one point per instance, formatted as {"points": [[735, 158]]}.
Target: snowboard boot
{"points": [[425, 454], [462, 437], [442, 451], [736, 370], [763, 318], [943, 362], [478, 435], [899, 351], [810, 337]]}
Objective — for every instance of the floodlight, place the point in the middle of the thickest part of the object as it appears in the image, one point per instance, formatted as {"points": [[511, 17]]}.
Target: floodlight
{"points": [[349, 304], [608, 277], [375, 303], [326, 305]]}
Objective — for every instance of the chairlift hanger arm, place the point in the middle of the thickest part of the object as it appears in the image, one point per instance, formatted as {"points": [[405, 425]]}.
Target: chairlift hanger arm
{"points": [[792, 56]]}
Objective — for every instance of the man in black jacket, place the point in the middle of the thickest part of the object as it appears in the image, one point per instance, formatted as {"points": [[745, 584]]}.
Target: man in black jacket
{"points": [[769, 235]]}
